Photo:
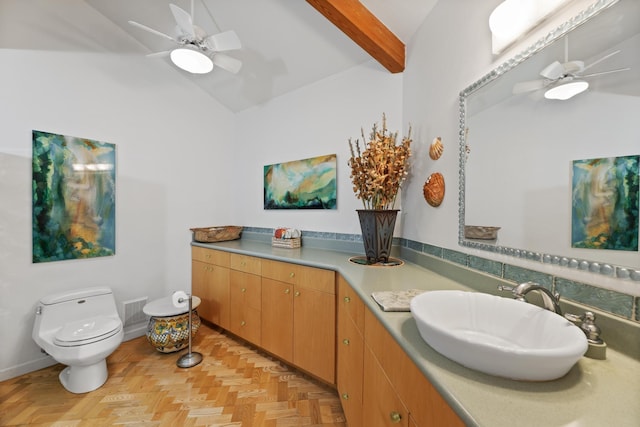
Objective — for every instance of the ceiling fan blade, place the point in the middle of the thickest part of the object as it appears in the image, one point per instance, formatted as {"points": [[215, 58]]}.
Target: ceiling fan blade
{"points": [[228, 63], [529, 86], [152, 31], [597, 61], [184, 21], [553, 71], [602, 73], [159, 54], [223, 41]]}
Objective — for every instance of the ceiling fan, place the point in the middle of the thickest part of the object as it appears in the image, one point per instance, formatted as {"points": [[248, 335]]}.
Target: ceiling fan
{"points": [[197, 52], [565, 80]]}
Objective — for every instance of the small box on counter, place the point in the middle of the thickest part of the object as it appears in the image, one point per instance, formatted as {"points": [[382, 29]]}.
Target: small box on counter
{"points": [[286, 238]]}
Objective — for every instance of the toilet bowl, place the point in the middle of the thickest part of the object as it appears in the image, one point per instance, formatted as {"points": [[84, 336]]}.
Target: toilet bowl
{"points": [[79, 328]]}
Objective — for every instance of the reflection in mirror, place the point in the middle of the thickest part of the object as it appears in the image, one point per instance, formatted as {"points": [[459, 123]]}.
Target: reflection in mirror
{"points": [[518, 149]]}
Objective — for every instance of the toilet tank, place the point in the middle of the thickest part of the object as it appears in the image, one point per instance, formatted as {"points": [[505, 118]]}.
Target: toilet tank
{"points": [[56, 310]]}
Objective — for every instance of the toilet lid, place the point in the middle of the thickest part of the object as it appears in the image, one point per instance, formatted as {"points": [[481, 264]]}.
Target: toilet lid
{"points": [[87, 330]]}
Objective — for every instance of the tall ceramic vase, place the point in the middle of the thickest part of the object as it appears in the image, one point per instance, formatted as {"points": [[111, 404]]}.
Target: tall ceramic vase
{"points": [[377, 233]]}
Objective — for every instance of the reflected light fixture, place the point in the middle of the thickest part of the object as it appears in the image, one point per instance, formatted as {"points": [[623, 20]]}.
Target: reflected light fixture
{"points": [[515, 18], [191, 59], [563, 91]]}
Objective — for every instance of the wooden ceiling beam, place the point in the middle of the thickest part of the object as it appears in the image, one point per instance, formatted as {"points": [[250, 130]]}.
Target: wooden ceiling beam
{"points": [[355, 20]]}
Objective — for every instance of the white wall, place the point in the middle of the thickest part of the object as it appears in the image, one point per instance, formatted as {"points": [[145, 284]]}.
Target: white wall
{"points": [[436, 73], [314, 120], [171, 141]]}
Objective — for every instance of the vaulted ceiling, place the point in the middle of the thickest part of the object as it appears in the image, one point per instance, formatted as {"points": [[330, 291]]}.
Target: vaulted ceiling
{"points": [[286, 44]]}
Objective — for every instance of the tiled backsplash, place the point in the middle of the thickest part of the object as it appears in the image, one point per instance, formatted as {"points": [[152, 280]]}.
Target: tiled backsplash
{"points": [[616, 303]]}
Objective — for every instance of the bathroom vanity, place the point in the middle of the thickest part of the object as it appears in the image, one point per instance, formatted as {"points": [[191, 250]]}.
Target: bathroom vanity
{"points": [[382, 369]]}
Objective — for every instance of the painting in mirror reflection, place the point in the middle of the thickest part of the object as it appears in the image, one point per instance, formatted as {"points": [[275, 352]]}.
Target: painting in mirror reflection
{"points": [[605, 203]]}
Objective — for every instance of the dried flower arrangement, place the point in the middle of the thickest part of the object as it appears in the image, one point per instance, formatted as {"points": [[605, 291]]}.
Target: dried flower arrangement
{"points": [[378, 172]]}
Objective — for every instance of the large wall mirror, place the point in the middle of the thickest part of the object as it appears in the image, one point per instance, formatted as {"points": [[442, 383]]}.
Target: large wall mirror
{"points": [[519, 150]]}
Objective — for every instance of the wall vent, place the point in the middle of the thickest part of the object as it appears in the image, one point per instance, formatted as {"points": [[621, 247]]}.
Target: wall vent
{"points": [[133, 313]]}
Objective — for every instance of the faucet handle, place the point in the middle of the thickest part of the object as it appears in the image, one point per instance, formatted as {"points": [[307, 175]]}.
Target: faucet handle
{"points": [[506, 288], [587, 323]]}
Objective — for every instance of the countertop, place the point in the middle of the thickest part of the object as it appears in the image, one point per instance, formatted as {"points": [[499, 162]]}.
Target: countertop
{"points": [[594, 392]]}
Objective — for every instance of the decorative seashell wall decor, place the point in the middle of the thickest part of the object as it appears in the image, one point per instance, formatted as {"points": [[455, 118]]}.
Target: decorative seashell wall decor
{"points": [[436, 148], [433, 189]]}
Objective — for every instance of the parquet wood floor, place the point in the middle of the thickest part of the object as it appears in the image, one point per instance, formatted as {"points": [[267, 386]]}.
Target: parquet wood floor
{"points": [[234, 385]]}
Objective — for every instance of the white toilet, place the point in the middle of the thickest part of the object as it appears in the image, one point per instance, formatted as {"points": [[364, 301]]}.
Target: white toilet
{"points": [[79, 328]]}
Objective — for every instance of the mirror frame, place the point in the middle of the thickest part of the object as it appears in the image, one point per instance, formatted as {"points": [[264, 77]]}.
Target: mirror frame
{"points": [[611, 270]]}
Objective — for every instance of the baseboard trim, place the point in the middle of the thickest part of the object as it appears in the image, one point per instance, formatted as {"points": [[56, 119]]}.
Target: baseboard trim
{"points": [[25, 368]]}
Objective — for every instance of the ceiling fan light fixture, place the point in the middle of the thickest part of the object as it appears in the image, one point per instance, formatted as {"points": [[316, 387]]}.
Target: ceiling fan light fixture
{"points": [[565, 91], [192, 60]]}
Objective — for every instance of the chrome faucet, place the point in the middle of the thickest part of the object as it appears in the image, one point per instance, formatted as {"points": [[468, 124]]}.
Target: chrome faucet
{"points": [[549, 299]]}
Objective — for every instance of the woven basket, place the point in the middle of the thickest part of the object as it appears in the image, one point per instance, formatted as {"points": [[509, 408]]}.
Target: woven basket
{"points": [[480, 232], [216, 234], [285, 243]]}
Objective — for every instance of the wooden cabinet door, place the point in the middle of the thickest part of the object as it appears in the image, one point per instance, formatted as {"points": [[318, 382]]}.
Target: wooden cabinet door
{"points": [[245, 296], [211, 283], [427, 406], [349, 375], [314, 323], [277, 318], [381, 405], [201, 288]]}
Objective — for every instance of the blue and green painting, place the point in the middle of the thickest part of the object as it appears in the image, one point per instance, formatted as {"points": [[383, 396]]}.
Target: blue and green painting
{"points": [[301, 184], [605, 203], [74, 197]]}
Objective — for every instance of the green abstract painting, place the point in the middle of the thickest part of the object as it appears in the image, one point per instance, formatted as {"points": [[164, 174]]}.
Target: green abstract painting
{"points": [[605, 203], [74, 203], [301, 184]]}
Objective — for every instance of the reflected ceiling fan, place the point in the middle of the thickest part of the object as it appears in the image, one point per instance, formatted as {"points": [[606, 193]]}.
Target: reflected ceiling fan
{"points": [[197, 52], [565, 80]]}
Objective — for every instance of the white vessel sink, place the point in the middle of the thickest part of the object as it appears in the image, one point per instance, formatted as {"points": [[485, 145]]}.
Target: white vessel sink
{"points": [[498, 336]]}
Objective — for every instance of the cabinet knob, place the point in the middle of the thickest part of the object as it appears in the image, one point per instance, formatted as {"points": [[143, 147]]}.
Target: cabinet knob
{"points": [[347, 299], [243, 323], [208, 256], [243, 263], [286, 291], [345, 396], [297, 293], [292, 274], [395, 417], [243, 290], [346, 341]]}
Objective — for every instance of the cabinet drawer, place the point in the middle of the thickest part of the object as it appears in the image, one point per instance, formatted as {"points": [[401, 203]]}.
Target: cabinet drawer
{"points": [[246, 263], [210, 256], [350, 303], [308, 277]]}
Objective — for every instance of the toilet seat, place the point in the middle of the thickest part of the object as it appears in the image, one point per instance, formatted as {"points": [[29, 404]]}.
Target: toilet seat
{"points": [[87, 331]]}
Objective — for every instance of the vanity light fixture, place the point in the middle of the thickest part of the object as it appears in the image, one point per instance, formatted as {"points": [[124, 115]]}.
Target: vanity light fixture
{"points": [[515, 18], [569, 89], [190, 59]]}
